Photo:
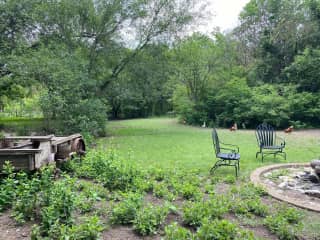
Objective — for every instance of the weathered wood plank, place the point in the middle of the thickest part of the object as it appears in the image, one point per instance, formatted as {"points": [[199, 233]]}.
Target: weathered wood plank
{"points": [[32, 138], [60, 140], [19, 151]]}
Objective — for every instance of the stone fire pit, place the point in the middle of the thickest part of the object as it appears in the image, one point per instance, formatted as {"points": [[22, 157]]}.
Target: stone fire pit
{"points": [[297, 184]]}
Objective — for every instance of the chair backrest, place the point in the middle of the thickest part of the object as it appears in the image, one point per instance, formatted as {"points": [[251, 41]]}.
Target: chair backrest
{"points": [[266, 136], [215, 139]]}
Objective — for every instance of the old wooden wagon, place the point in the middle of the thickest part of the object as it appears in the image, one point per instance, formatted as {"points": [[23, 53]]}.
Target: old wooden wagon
{"points": [[32, 152]]}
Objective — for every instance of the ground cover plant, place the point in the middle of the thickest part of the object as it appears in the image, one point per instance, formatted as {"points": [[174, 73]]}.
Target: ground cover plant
{"points": [[111, 195]]}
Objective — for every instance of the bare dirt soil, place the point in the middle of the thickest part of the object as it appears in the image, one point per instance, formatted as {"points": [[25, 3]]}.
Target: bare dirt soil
{"points": [[9, 230]]}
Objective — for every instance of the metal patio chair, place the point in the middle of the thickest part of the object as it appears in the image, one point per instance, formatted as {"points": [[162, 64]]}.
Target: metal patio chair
{"points": [[229, 156], [268, 142]]}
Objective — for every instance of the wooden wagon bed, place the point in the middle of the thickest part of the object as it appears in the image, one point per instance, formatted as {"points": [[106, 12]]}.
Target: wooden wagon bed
{"points": [[32, 152]]}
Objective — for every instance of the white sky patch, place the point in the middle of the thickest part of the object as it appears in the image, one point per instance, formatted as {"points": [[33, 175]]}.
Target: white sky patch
{"points": [[224, 14]]}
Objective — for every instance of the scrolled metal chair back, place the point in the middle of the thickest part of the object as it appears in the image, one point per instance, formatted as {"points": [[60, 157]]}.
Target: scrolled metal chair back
{"points": [[215, 140]]}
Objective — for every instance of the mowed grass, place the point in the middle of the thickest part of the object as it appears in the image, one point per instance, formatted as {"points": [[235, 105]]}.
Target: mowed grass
{"points": [[163, 142]]}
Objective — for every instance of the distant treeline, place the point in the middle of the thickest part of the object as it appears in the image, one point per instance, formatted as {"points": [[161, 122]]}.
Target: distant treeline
{"points": [[77, 56]]}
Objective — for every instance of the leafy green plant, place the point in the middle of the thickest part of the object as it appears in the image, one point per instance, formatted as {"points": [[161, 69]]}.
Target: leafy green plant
{"points": [[109, 169], [26, 198], [93, 190], [209, 189], [142, 184], [8, 186], [35, 232], [89, 193], [160, 189], [285, 223], [174, 232], [84, 204], [59, 204], [158, 174], [194, 212], [149, 219], [248, 206], [126, 210], [230, 179], [31, 193], [216, 230], [190, 192], [248, 191], [89, 230], [215, 179]]}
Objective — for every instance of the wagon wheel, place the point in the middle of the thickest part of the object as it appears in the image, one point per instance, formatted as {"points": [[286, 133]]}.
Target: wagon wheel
{"points": [[78, 146]]}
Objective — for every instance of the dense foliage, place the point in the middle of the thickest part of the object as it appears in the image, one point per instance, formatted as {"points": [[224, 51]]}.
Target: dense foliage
{"points": [[86, 61], [75, 53]]}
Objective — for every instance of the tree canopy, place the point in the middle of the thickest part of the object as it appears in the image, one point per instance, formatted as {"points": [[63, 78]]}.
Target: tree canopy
{"points": [[97, 59]]}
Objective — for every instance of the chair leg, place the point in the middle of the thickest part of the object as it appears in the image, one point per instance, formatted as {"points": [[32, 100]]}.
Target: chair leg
{"points": [[212, 170], [238, 165], [215, 166], [226, 163], [284, 155]]}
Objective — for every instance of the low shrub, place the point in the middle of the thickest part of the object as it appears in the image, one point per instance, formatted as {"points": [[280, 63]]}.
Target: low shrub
{"points": [[230, 179], [249, 206], [142, 184], [174, 232], [190, 192], [194, 212], [58, 204], [209, 189], [216, 230], [8, 187], [149, 219], [27, 198], [158, 174], [92, 190], [285, 223], [90, 229], [109, 169], [160, 189], [125, 211], [248, 191], [26, 194], [84, 204]]}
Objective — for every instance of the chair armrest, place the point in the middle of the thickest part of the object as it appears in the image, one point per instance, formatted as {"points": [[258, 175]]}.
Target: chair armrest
{"points": [[230, 150], [235, 149], [283, 142]]}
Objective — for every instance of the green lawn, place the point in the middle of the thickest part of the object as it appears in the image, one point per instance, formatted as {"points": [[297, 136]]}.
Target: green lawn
{"points": [[164, 142], [21, 125]]}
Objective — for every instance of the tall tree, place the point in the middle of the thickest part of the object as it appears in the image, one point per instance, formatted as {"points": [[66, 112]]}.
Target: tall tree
{"points": [[82, 46], [271, 34]]}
